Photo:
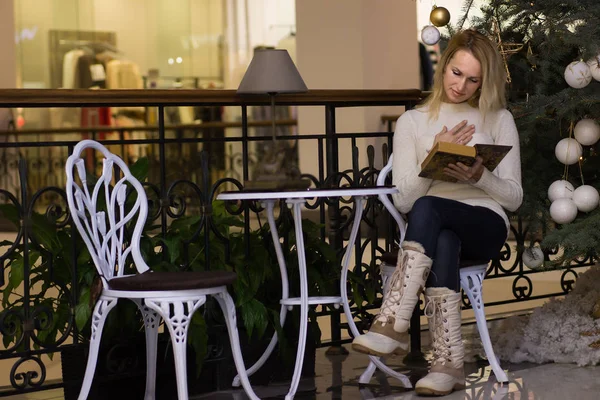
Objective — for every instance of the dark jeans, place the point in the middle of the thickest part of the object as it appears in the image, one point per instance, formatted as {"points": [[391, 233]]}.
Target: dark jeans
{"points": [[450, 230]]}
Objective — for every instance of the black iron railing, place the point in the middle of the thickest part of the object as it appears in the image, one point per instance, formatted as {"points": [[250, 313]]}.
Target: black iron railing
{"points": [[183, 181]]}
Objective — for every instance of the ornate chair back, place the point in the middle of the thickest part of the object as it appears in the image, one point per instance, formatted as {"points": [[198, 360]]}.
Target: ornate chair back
{"points": [[102, 213]]}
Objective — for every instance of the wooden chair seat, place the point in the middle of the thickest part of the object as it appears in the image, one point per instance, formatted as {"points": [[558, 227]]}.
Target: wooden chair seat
{"points": [[151, 281]]}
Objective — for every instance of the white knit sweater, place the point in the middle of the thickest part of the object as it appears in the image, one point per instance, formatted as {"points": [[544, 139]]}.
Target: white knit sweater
{"points": [[413, 138]]}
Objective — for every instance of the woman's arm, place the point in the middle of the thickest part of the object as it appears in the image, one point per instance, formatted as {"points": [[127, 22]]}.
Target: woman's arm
{"points": [[504, 184], [405, 173]]}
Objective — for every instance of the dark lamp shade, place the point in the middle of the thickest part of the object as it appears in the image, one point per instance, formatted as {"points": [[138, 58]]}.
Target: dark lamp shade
{"points": [[272, 71]]}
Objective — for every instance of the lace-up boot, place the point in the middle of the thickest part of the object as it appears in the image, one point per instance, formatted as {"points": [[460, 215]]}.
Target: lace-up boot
{"points": [[388, 333], [442, 308]]}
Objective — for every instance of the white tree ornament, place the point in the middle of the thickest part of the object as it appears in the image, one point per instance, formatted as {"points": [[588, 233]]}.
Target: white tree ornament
{"points": [[560, 190], [568, 151], [578, 74], [587, 132], [533, 257], [586, 198], [430, 35], [594, 65], [563, 211]]}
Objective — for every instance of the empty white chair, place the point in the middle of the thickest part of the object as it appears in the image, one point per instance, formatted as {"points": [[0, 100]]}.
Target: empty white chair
{"points": [[103, 216], [472, 274]]}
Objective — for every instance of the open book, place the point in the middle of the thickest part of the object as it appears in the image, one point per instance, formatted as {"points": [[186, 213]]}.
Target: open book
{"points": [[444, 153]]}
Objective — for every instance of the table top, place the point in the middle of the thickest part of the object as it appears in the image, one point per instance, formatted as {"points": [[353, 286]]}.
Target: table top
{"points": [[308, 193]]}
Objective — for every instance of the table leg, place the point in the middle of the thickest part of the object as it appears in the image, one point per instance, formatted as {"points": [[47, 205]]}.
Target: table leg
{"points": [[297, 205], [358, 211], [269, 206]]}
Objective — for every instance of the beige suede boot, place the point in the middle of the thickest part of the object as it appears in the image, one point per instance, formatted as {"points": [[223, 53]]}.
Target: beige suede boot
{"points": [[443, 310], [388, 333]]}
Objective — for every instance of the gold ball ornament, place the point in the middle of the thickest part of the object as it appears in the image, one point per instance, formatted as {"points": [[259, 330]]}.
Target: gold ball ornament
{"points": [[439, 16]]}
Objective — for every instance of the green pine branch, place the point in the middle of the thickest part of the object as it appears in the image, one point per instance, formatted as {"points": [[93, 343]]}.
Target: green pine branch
{"points": [[553, 33]]}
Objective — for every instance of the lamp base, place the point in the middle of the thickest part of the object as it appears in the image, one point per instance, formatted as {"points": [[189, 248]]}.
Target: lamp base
{"points": [[277, 184]]}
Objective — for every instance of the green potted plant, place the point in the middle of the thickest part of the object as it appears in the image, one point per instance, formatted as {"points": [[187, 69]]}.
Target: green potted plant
{"points": [[66, 308]]}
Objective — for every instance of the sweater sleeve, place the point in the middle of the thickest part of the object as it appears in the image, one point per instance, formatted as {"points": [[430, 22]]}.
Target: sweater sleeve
{"points": [[504, 184], [406, 166]]}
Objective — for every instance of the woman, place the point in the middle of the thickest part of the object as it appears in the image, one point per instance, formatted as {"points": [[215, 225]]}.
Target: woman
{"points": [[448, 221]]}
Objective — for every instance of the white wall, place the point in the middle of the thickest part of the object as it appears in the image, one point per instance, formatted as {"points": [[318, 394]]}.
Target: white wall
{"points": [[353, 44], [270, 20], [252, 23], [129, 20], [37, 18], [8, 73]]}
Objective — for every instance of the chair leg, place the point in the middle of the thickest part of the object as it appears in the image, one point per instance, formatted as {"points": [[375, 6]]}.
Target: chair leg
{"points": [[472, 284], [151, 324], [177, 316], [228, 307], [267, 353], [366, 376], [101, 310]]}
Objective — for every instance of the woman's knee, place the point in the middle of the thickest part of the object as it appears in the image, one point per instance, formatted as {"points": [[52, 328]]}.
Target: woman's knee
{"points": [[423, 209]]}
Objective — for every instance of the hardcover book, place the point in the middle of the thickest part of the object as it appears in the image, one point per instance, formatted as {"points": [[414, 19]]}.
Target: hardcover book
{"points": [[444, 153]]}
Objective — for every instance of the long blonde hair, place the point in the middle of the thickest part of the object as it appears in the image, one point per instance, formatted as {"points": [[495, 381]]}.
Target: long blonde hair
{"points": [[491, 95]]}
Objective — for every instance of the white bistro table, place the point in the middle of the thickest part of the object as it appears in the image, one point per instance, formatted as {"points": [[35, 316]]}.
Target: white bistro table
{"points": [[296, 200]]}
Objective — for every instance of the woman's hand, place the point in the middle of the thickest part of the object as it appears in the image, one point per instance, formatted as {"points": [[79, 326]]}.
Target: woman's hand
{"points": [[466, 174], [461, 134]]}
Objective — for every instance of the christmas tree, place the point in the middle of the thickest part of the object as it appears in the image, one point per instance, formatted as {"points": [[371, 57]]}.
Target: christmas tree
{"points": [[544, 44]]}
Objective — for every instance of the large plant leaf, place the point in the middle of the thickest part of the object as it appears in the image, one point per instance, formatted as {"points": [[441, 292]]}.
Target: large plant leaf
{"points": [[11, 213], [6, 292], [357, 282], [44, 233], [222, 216], [83, 311], [140, 169], [173, 245], [183, 224], [48, 332], [13, 321], [17, 272], [255, 317]]}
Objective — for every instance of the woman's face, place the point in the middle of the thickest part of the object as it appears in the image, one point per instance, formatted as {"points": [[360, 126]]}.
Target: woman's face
{"points": [[462, 77]]}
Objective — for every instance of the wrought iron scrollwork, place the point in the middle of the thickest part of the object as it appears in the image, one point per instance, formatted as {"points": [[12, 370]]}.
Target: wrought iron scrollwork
{"points": [[568, 284], [28, 378], [522, 292], [11, 323]]}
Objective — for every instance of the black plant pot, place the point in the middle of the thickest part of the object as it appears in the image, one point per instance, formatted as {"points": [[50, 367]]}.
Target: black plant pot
{"points": [[110, 374], [121, 371], [121, 367]]}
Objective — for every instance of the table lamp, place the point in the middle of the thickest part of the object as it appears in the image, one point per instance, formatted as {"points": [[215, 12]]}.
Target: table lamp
{"points": [[272, 72]]}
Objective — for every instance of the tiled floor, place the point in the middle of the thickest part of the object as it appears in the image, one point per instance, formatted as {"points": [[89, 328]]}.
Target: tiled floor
{"points": [[337, 378], [527, 381]]}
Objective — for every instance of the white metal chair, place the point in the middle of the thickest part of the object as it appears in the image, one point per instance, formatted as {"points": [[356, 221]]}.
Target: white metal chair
{"points": [[101, 217], [472, 274]]}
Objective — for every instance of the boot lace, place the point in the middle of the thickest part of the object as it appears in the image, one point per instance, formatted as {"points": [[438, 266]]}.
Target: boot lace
{"points": [[392, 298], [441, 348]]}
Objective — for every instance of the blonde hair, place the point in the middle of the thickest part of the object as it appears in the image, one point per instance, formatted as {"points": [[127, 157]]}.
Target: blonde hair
{"points": [[491, 94]]}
